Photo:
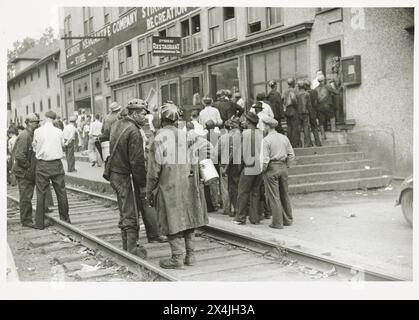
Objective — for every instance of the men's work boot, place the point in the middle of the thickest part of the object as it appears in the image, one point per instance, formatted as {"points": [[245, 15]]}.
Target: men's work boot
{"points": [[190, 259], [132, 247], [159, 239], [323, 133], [176, 247], [124, 240]]}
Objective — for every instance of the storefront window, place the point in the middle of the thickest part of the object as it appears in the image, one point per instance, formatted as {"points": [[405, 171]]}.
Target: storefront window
{"points": [[224, 76], [169, 92], [122, 96], [148, 93], [279, 64]]}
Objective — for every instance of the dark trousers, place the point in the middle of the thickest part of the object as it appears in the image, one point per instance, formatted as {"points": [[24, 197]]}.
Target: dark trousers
{"points": [[69, 154], [233, 173], [276, 192], [305, 125], [178, 241], [293, 124], [128, 216], [248, 199], [26, 188], [54, 171], [314, 128]]}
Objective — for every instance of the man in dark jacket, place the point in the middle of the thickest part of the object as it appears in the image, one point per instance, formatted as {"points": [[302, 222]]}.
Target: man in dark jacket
{"points": [[313, 112], [304, 105], [128, 160], [275, 101], [24, 169], [289, 98], [110, 119]]}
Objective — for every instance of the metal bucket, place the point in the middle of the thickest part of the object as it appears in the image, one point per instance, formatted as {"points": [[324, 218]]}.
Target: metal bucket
{"points": [[208, 172]]}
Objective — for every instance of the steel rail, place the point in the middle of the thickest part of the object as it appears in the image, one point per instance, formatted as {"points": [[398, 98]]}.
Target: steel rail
{"points": [[134, 264], [259, 245]]}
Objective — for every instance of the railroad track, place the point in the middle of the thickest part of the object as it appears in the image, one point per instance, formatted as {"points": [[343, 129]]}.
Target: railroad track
{"points": [[222, 255]]}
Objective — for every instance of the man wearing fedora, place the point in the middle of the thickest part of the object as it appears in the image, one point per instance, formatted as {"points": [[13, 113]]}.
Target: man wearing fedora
{"points": [[277, 153], [70, 134], [251, 174]]}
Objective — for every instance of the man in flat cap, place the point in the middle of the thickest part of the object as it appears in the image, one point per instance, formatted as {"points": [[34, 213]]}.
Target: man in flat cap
{"points": [[23, 167], [127, 160], [304, 107], [175, 189], [70, 134], [277, 154], [275, 101], [109, 120], [48, 142], [248, 199], [289, 98]]}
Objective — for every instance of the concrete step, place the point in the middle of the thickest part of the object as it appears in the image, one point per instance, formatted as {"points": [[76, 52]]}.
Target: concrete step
{"points": [[329, 166], [340, 185], [333, 149], [334, 175], [335, 157]]}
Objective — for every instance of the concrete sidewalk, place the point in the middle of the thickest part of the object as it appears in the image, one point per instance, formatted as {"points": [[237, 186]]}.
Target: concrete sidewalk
{"points": [[359, 227]]}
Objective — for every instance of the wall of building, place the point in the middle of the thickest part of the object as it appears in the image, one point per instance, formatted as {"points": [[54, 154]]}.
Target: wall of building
{"points": [[36, 90], [382, 106]]}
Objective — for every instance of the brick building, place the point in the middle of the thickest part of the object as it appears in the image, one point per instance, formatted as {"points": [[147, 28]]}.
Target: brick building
{"points": [[35, 86], [242, 49]]}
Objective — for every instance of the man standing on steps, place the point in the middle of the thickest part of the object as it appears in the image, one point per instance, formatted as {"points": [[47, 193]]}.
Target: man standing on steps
{"points": [[48, 144], [304, 105], [277, 154], [291, 113], [70, 133], [24, 169], [275, 101], [313, 112]]}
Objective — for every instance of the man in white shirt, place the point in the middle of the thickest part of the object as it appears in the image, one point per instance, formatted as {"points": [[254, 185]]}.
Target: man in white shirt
{"points": [[70, 133], [48, 142], [209, 113], [94, 133]]}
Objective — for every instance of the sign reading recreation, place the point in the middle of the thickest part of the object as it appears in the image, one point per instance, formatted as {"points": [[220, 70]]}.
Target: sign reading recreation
{"points": [[134, 23], [166, 46]]}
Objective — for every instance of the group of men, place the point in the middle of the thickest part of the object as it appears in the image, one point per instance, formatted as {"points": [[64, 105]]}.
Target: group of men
{"points": [[37, 155]]}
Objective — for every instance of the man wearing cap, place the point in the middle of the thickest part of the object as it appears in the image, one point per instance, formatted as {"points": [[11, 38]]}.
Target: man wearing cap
{"points": [[126, 161], [277, 154], [304, 107], [275, 101], [175, 189], [109, 120], [313, 112], [69, 134], [209, 113], [251, 176], [289, 98], [48, 142], [24, 169]]}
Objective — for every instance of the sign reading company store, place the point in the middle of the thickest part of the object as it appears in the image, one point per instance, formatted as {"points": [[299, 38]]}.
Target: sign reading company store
{"points": [[133, 23]]}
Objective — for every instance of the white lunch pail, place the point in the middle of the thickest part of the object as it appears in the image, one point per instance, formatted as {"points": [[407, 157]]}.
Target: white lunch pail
{"points": [[208, 171]]}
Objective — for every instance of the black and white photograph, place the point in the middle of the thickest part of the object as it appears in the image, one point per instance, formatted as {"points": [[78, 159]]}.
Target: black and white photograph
{"points": [[267, 144]]}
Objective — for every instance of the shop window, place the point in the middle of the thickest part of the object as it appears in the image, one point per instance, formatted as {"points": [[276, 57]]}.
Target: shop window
{"points": [[148, 92], [222, 24], [125, 59], [279, 64], [49, 103], [191, 35], [224, 76], [191, 87], [169, 92], [274, 16]]}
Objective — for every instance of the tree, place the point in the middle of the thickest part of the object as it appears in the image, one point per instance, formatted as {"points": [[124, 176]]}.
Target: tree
{"points": [[21, 46]]}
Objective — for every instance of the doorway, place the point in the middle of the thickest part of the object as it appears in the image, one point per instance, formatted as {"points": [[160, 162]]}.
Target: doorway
{"points": [[191, 94], [84, 104], [330, 54]]}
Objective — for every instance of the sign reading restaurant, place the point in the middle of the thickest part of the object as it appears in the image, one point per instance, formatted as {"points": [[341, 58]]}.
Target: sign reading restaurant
{"points": [[166, 46], [133, 23]]}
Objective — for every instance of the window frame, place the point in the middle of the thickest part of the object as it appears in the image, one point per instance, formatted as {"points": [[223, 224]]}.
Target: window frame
{"points": [[58, 101], [266, 21], [87, 21], [191, 35], [221, 25], [124, 63], [107, 13]]}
